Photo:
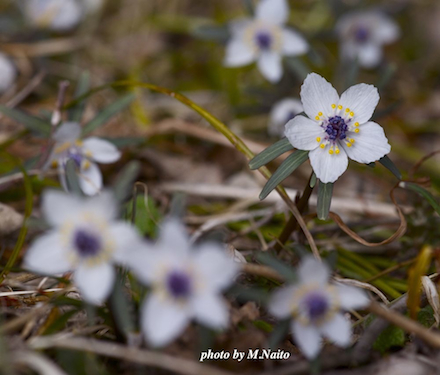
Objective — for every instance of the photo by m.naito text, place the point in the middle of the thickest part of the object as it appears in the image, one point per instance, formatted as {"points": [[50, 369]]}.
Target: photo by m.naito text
{"points": [[251, 354]]}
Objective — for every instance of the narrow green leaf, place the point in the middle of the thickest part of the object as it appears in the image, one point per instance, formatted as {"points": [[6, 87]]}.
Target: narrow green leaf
{"points": [[292, 162], [123, 187], [32, 123], [72, 180], [283, 269], [270, 153], [424, 193], [75, 113], [388, 164], [108, 112], [313, 180], [325, 192]]}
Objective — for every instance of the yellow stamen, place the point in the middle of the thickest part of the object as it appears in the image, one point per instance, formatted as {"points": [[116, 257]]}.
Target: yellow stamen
{"points": [[317, 118], [86, 164], [320, 114], [318, 139], [356, 130], [351, 140], [54, 163], [333, 106], [322, 145], [348, 144], [339, 106], [356, 124], [351, 114], [347, 110], [331, 151], [337, 151], [79, 143]]}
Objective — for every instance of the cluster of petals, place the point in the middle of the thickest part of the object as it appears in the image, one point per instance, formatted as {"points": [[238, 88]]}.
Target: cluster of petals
{"points": [[85, 238], [363, 34], [264, 39], [58, 15], [186, 283], [281, 113], [315, 307], [337, 128], [85, 153]]}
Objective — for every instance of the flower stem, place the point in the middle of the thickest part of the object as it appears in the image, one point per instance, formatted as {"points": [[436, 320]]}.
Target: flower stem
{"points": [[292, 224]]}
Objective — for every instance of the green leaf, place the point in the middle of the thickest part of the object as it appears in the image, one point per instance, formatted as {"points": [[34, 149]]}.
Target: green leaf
{"points": [[278, 333], [72, 180], [145, 215], [424, 193], [107, 113], [325, 192], [292, 162], [313, 180], [388, 164], [270, 153], [76, 112], [391, 337], [123, 187], [32, 123], [283, 269]]}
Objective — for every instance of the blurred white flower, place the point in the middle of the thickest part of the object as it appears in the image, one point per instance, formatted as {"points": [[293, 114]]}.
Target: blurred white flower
{"points": [[315, 304], [85, 153], [185, 284], [281, 113], [337, 128], [85, 238], [58, 15], [264, 39], [8, 73], [363, 34]]}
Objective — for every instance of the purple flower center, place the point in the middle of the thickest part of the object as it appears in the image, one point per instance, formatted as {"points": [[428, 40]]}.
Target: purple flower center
{"points": [[263, 40], [361, 34], [87, 244], [316, 305], [336, 128], [179, 284]]}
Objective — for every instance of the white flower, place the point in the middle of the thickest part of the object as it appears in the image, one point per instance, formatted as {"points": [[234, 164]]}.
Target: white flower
{"points": [[363, 34], [58, 15], [85, 238], [282, 112], [337, 128], [85, 153], [8, 73], [264, 39], [185, 284], [315, 306]]}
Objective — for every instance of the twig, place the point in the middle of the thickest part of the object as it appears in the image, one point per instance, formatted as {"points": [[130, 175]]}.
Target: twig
{"points": [[142, 357]]}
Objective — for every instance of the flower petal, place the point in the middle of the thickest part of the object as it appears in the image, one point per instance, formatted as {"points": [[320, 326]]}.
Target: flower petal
{"points": [[385, 30], [68, 15], [103, 205], [47, 255], [302, 133], [95, 282], [67, 132], [8, 73], [328, 168], [173, 237], [127, 240], [313, 271], [211, 310], [282, 112], [281, 302], [162, 321], [270, 65], [370, 144], [90, 179], [58, 206], [145, 261], [273, 11], [307, 338], [362, 99], [101, 151], [294, 43], [351, 298], [238, 53], [337, 330], [318, 95], [369, 55], [216, 265]]}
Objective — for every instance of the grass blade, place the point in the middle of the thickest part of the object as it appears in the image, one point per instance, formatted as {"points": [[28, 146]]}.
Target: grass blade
{"points": [[32, 123], [424, 193], [388, 164], [76, 112], [325, 192]]}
